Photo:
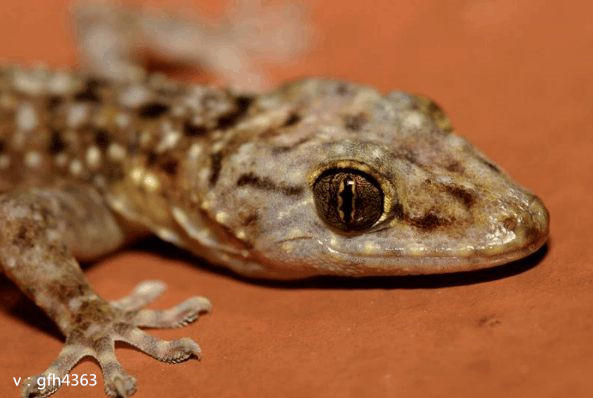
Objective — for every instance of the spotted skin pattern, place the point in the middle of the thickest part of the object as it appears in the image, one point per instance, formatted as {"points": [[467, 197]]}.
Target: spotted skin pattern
{"points": [[267, 185]]}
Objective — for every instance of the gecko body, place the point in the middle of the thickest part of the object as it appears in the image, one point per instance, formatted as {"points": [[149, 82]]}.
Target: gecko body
{"points": [[317, 177]]}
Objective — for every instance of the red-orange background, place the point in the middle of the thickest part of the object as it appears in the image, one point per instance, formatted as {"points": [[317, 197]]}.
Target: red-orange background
{"points": [[516, 79]]}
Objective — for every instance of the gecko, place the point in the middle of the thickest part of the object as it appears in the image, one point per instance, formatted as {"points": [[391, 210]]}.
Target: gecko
{"points": [[315, 177]]}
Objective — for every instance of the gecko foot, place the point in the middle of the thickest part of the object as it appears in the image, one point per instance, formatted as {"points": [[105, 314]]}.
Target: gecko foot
{"points": [[98, 324]]}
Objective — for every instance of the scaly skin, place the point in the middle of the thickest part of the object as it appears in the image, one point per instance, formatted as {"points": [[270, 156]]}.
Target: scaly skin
{"points": [[317, 177]]}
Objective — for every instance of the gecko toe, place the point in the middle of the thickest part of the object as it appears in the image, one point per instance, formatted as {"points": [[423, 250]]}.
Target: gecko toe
{"points": [[142, 295], [120, 384], [33, 390], [171, 351], [177, 316], [48, 382]]}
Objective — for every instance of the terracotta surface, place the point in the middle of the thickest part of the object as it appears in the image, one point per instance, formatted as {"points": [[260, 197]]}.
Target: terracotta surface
{"points": [[516, 79]]}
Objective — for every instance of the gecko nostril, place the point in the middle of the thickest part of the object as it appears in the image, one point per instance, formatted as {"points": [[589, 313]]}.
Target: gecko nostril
{"points": [[510, 223]]}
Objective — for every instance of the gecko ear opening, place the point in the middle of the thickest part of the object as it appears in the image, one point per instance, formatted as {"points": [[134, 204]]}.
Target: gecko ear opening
{"points": [[348, 199]]}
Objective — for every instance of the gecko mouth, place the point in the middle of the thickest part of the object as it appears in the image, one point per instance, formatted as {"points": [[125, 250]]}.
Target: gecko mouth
{"points": [[401, 262]]}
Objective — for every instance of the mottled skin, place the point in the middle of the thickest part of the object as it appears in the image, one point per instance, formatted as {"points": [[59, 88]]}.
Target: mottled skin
{"points": [[317, 177]]}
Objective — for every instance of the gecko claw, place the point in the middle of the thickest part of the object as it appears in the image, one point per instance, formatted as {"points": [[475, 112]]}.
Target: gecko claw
{"points": [[33, 390], [121, 387]]}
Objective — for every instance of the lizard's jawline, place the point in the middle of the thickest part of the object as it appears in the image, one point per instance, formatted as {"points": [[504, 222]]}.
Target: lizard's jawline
{"points": [[410, 265]]}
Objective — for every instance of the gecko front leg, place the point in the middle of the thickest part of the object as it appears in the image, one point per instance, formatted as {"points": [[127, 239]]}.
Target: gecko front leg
{"points": [[42, 232]]}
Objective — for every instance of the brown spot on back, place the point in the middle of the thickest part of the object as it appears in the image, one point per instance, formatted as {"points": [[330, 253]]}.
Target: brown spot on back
{"points": [[249, 219], [231, 118], [292, 119], [244, 102], [355, 122], [267, 184], [286, 148], [88, 94], [342, 89], [491, 166], [467, 197], [428, 221], [215, 167], [152, 110], [25, 236], [102, 138], [193, 130], [169, 166], [53, 101], [454, 167], [56, 143]]}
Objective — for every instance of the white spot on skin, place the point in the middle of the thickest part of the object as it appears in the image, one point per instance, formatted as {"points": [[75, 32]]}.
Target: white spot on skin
{"points": [[221, 217], [333, 242], [204, 175], [93, 328], [457, 142], [288, 247], [169, 141], [77, 114], [377, 153], [340, 150], [294, 233], [10, 262], [169, 236], [116, 152], [122, 120], [134, 96], [93, 157], [218, 146], [444, 179], [60, 83], [28, 83], [136, 175], [75, 167], [32, 159], [26, 117], [195, 151], [145, 138], [74, 304], [151, 182], [413, 120]]}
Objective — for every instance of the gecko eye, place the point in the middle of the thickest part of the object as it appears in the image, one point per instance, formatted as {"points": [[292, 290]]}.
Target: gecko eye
{"points": [[348, 199]]}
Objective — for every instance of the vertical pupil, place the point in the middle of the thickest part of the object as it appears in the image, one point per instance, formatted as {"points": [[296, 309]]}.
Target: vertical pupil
{"points": [[346, 205]]}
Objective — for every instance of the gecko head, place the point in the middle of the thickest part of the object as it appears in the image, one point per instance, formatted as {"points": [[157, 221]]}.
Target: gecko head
{"points": [[350, 182]]}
